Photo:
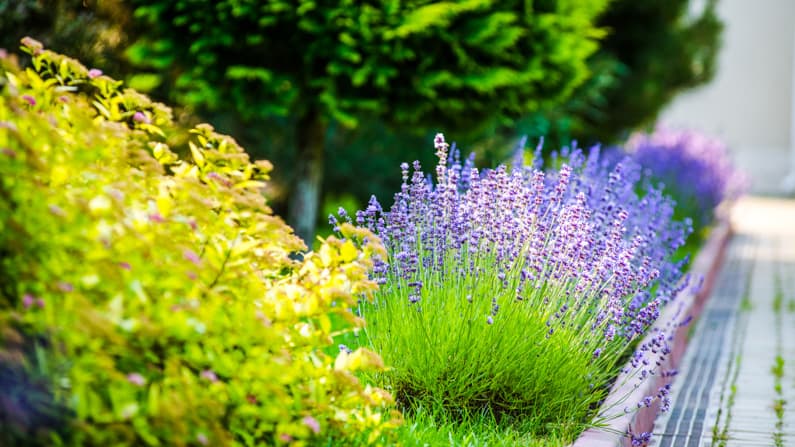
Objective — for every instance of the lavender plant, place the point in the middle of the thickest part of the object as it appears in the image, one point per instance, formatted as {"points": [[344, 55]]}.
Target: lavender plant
{"points": [[694, 168], [520, 293]]}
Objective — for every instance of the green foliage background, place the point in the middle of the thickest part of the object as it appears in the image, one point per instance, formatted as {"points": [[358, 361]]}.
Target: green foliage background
{"points": [[418, 66], [420, 63], [95, 32], [654, 50], [650, 51]]}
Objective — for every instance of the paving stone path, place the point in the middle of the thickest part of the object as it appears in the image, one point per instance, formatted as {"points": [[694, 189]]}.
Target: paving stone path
{"points": [[736, 385]]}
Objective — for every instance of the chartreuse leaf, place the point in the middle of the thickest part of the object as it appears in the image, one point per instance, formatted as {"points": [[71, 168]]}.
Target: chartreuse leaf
{"points": [[159, 290]]}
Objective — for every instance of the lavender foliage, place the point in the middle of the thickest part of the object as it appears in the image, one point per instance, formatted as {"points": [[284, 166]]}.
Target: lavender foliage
{"points": [[574, 247]]}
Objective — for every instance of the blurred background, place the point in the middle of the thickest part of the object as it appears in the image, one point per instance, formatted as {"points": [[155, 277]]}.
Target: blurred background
{"points": [[749, 104], [338, 93]]}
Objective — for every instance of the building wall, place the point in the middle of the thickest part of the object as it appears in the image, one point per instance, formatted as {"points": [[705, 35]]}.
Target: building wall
{"points": [[749, 102]]}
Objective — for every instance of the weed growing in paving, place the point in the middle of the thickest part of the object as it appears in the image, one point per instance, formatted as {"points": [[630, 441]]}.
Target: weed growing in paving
{"points": [[720, 430], [746, 305], [778, 367], [518, 294], [720, 433]]}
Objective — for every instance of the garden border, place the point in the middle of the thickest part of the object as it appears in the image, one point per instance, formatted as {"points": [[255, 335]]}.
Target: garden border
{"points": [[707, 264]]}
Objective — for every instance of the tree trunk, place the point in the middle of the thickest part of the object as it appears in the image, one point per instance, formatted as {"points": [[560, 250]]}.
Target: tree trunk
{"points": [[304, 197]]}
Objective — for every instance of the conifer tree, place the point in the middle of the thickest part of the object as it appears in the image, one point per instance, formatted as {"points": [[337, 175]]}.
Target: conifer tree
{"points": [[421, 64]]}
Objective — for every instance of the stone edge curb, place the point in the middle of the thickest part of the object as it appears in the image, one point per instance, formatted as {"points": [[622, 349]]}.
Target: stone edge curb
{"points": [[706, 264]]}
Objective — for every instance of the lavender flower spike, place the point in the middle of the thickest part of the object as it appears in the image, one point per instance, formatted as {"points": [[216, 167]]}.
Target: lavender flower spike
{"points": [[569, 266]]}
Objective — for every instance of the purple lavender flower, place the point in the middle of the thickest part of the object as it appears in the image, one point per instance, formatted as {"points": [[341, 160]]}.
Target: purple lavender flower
{"points": [[568, 225], [332, 220], [640, 439], [587, 245], [695, 168]]}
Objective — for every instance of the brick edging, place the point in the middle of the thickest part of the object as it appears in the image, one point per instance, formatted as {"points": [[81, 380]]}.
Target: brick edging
{"points": [[706, 264]]}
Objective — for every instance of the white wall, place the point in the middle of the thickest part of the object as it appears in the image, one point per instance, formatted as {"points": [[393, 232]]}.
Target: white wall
{"points": [[749, 102]]}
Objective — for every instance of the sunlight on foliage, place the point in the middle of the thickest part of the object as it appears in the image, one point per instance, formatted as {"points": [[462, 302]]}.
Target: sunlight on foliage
{"points": [[152, 300]]}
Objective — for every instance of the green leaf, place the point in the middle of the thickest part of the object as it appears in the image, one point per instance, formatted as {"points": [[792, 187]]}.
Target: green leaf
{"points": [[237, 72], [145, 82]]}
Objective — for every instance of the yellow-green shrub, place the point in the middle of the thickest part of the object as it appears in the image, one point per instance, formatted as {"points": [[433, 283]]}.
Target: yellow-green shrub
{"points": [[148, 300]]}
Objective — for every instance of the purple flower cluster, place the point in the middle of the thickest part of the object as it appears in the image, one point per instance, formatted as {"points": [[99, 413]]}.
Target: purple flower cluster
{"points": [[613, 181], [639, 439], [695, 168], [588, 244]]}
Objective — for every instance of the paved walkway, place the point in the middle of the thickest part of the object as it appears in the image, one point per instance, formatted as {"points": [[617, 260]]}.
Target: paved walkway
{"points": [[736, 385]]}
